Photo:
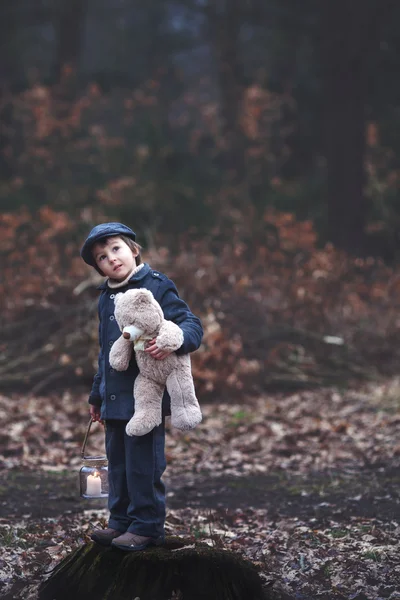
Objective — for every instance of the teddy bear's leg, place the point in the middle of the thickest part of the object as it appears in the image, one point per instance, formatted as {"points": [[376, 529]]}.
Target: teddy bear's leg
{"points": [[185, 409], [148, 412]]}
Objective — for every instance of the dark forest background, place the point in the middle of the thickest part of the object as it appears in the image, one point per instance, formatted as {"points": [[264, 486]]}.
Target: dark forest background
{"points": [[174, 114], [253, 147]]}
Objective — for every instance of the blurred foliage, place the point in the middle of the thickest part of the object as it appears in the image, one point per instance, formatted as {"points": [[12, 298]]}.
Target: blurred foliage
{"points": [[172, 114], [277, 310], [237, 139], [118, 153]]}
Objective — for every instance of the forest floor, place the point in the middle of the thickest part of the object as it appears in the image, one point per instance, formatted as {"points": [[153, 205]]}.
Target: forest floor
{"points": [[306, 485]]}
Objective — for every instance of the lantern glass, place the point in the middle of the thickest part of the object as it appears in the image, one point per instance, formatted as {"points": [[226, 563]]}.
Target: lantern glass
{"points": [[93, 477]]}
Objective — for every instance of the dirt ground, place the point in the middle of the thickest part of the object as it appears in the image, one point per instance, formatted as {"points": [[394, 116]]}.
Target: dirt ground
{"points": [[368, 493]]}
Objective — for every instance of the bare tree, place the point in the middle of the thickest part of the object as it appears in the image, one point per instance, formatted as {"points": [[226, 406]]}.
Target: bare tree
{"points": [[349, 34], [224, 20], [71, 21]]}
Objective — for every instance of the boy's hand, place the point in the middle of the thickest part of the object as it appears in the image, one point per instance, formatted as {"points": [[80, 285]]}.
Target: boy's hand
{"points": [[95, 413], [155, 352]]}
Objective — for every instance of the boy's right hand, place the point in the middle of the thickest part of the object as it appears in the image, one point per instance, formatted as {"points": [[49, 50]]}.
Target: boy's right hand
{"points": [[95, 413]]}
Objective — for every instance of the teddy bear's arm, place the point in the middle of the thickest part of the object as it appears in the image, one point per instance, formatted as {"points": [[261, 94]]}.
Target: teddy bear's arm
{"points": [[120, 354], [170, 337]]}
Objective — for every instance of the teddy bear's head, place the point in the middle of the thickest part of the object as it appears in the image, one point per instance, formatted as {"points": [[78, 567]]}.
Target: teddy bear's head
{"points": [[138, 312]]}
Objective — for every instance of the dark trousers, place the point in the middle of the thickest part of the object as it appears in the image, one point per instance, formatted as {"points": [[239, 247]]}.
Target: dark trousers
{"points": [[136, 499]]}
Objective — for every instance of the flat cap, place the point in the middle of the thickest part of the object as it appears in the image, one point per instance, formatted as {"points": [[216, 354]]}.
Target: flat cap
{"points": [[104, 230]]}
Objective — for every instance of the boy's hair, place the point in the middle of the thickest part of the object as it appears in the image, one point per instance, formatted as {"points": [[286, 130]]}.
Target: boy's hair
{"points": [[134, 246]]}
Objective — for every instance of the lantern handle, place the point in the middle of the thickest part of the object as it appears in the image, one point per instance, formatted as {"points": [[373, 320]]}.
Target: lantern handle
{"points": [[86, 437]]}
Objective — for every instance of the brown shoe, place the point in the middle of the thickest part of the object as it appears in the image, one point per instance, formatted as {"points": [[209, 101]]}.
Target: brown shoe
{"points": [[104, 537], [131, 542]]}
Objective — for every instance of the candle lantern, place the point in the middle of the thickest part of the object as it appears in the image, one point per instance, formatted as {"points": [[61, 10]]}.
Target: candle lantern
{"points": [[93, 476]]}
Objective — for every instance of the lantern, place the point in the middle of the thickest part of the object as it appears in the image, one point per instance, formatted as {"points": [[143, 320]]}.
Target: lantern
{"points": [[93, 476]]}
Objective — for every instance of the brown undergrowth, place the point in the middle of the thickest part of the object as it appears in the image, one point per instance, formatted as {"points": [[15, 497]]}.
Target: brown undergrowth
{"points": [[278, 311]]}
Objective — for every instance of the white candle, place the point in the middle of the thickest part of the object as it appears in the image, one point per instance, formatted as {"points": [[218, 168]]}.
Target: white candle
{"points": [[93, 485]]}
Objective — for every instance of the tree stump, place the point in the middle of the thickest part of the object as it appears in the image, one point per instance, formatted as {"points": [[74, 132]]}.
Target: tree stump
{"points": [[180, 569]]}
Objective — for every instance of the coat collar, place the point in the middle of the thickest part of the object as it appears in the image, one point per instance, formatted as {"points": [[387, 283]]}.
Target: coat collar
{"points": [[136, 277]]}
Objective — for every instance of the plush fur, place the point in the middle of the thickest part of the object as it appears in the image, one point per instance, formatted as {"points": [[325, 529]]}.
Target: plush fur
{"points": [[140, 318]]}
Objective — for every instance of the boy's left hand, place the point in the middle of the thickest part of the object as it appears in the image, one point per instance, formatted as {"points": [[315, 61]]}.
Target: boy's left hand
{"points": [[155, 352]]}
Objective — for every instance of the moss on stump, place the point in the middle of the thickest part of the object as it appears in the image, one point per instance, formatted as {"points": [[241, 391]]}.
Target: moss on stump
{"points": [[180, 569]]}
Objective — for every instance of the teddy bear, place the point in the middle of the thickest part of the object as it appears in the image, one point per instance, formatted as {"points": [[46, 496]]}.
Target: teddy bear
{"points": [[140, 319]]}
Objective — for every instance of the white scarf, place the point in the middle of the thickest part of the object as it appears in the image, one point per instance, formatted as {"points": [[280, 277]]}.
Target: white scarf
{"points": [[113, 283]]}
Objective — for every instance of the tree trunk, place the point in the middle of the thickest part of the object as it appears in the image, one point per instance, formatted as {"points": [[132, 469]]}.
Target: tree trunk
{"points": [[224, 24], [345, 152], [350, 32], [70, 35], [8, 70], [181, 569]]}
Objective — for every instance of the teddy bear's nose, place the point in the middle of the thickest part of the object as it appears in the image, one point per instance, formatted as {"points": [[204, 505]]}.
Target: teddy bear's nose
{"points": [[127, 335]]}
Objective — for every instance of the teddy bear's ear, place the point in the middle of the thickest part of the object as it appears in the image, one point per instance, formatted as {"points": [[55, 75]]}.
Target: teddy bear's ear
{"points": [[144, 295]]}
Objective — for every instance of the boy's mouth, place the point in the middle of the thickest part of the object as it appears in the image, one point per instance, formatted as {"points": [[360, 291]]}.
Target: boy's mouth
{"points": [[116, 268]]}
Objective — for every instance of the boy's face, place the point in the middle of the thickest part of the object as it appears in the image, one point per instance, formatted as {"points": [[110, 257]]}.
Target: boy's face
{"points": [[114, 258]]}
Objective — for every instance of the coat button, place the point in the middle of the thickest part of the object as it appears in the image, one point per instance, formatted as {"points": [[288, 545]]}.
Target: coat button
{"points": [[112, 317], [111, 370], [113, 397], [112, 296], [110, 343]]}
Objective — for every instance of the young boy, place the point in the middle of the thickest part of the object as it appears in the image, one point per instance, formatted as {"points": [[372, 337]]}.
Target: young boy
{"points": [[135, 464]]}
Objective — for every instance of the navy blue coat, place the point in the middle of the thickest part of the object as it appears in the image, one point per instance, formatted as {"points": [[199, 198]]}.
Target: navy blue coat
{"points": [[113, 390]]}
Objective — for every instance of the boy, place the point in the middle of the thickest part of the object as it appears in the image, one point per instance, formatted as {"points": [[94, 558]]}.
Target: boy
{"points": [[135, 464]]}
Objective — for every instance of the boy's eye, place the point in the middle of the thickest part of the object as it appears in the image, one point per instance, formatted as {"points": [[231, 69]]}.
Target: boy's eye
{"points": [[116, 248], [102, 257]]}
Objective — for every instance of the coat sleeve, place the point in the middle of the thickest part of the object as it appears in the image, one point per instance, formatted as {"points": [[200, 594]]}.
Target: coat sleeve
{"points": [[176, 310], [94, 396]]}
